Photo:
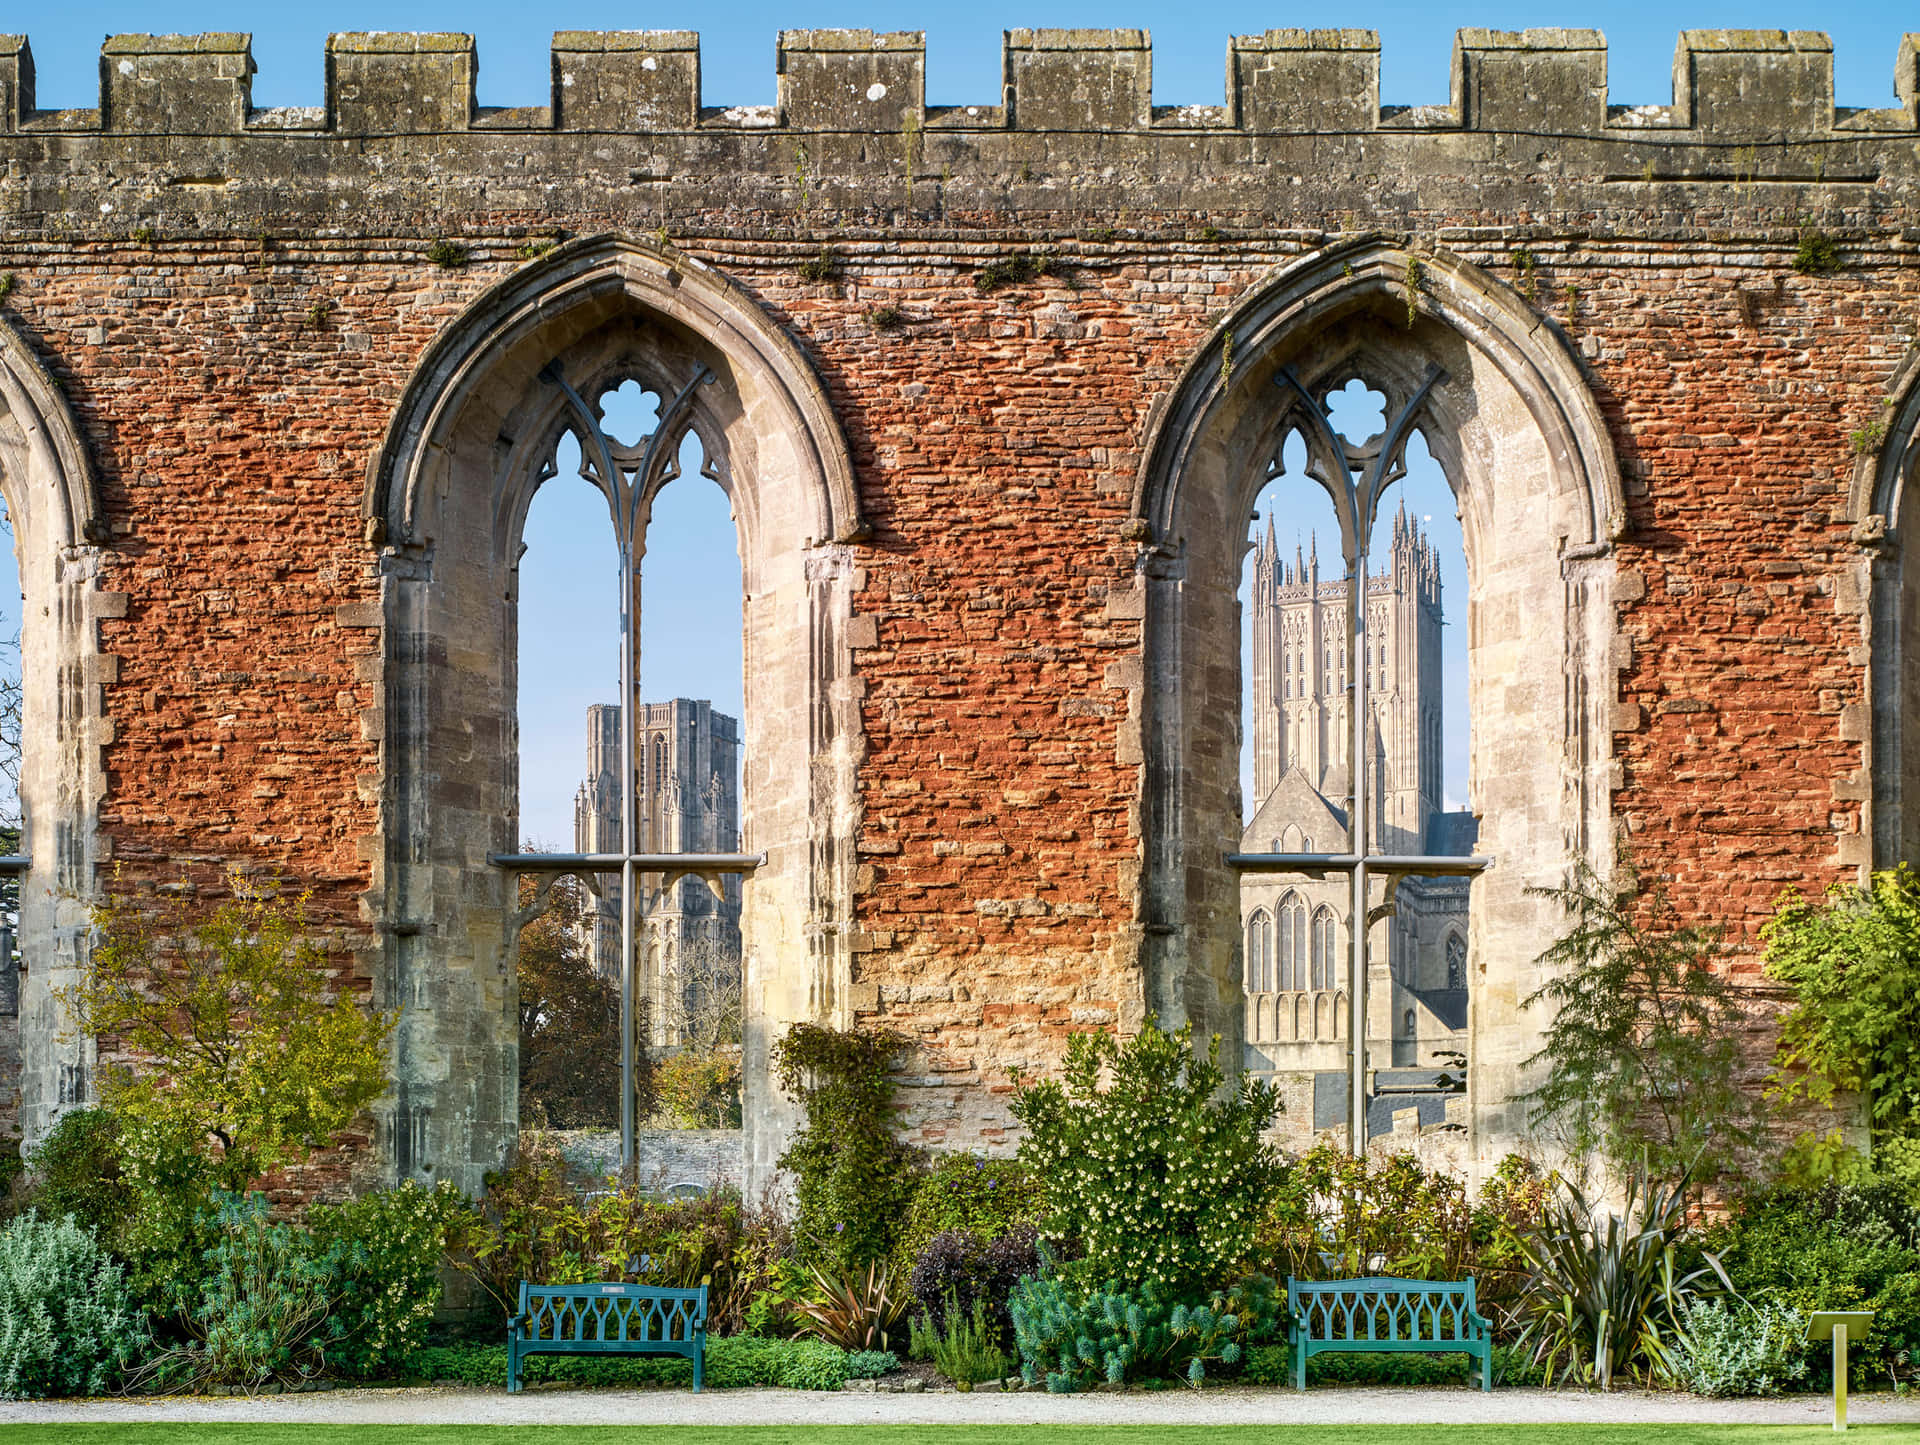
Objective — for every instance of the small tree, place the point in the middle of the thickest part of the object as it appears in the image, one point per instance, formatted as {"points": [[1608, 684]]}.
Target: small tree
{"points": [[225, 1033], [570, 1021], [1853, 964], [1642, 1057], [1162, 1175]]}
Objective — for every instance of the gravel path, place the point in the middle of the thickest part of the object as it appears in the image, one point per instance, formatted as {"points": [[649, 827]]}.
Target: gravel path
{"points": [[566, 1405]]}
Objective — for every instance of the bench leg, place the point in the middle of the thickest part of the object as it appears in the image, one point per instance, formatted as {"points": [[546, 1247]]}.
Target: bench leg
{"points": [[513, 1367], [699, 1365], [1486, 1365], [1300, 1365]]}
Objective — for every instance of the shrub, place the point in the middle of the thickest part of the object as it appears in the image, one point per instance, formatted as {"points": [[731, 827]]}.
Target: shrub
{"points": [[1159, 1177], [384, 1250], [852, 1178], [1072, 1339], [984, 1197], [68, 1323], [1854, 968], [240, 1037], [532, 1224], [963, 1269], [262, 1311], [75, 1170], [1273, 1365], [1641, 1061], [699, 1090], [1731, 1347], [1606, 1293], [1833, 1248], [966, 1348], [731, 1364], [1334, 1216]]}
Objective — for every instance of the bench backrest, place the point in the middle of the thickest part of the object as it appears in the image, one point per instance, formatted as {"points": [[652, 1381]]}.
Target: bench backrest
{"points": [[1383, 1308], [622, 1312]]}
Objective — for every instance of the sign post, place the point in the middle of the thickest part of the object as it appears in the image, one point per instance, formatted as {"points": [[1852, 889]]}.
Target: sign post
{"points": [[1838, 1326]]}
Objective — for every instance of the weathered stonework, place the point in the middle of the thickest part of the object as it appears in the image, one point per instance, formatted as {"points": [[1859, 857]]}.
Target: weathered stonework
{"points": [[268, 463]]}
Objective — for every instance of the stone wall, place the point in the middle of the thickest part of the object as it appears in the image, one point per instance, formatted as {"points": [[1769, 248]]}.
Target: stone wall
{"points": [[994, 555]]}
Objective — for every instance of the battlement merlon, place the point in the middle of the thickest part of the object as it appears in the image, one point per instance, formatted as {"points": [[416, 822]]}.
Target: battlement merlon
{"points": [[1733, 85]]}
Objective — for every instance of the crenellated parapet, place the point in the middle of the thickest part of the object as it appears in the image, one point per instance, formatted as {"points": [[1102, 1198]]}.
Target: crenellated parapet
{"points": [[1732, 85]]}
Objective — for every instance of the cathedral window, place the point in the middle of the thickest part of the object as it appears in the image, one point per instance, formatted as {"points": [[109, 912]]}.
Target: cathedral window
{"points": [[1456, 961], [1260, 953], [1323, 948], [1293, 942]]}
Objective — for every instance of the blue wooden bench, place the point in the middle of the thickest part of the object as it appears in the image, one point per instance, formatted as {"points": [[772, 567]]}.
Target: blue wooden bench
{"points": [[607, 1319], [1389, 1316]]}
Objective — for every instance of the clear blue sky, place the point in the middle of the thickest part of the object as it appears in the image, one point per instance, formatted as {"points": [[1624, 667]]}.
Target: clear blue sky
{"points": [[691, 609], [963, 42]]}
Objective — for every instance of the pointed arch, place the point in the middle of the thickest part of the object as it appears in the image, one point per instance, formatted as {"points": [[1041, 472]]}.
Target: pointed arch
{"points": [[1884, 505], [472, 438], [53, 502], [1512, 421]]}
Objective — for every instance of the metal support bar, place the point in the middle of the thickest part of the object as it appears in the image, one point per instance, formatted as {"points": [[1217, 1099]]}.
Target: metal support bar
{"points": [[1318, 865], [13, 864]]}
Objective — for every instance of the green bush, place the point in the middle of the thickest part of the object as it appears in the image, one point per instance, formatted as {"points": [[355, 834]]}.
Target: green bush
{"points": [[852, 1178], [733, 1363], [1273, 1365], [1334, 1216], [1833, 1248], [1161, 1176], [384, 1251], [1854, 967], [1640, 1062], [533, 1224], [75, 1170], [984, 1197], [1731, 1347], [1072, 1338], [68, 1323], [266, 1295]]}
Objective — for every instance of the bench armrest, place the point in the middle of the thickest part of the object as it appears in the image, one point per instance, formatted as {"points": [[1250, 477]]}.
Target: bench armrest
{"points": [[1480, 1320]]}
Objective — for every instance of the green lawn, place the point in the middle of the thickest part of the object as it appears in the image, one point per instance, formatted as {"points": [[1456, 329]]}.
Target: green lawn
{"points": [[121, 1433]]}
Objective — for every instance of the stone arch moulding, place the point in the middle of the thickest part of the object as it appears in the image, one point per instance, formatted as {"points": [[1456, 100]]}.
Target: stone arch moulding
{"points": [[1516, 429], [53, 501], [1883, 586], [446, 497]]}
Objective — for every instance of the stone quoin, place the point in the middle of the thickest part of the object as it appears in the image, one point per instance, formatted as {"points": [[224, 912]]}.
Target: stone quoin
{"points": [[993, 389]]}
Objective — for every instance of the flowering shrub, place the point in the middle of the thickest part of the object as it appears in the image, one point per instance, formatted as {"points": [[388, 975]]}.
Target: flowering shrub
{"points": [[68, 1324], [384, 1251], [1161, 1177]]}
